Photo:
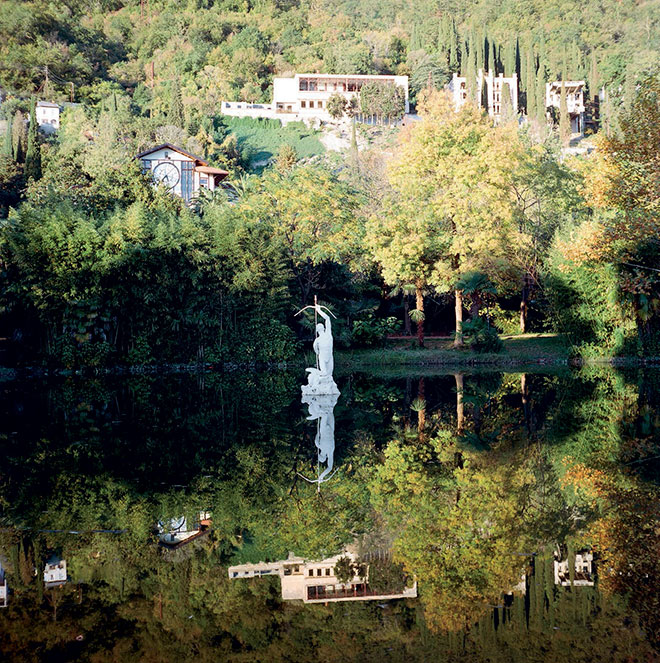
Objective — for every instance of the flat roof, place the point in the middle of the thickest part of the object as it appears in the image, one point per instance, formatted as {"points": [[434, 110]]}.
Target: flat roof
{"points": [[374, 76]]}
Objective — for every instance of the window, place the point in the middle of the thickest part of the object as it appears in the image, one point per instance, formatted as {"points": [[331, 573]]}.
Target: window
{"points": [[319, 572], [311, 572], [303, 85], [203, 182], [303, 104], [327, 572]]}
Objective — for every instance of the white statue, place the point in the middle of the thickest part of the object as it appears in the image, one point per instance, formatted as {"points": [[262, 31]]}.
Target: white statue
{"points": [[321, 409], [319, 379]]}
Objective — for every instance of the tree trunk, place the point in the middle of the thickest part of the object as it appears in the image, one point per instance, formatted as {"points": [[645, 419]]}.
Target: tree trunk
{"points": [[524, 299], [407, 330], [458, 340], [460, 417], [475, 306], [419, 296], [421, 413]]}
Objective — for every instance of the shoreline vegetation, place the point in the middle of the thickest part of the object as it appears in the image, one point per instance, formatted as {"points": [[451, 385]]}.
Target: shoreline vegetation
{"points": [[519, 352]]}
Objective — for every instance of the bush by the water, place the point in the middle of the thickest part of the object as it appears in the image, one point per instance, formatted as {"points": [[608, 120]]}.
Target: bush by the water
{"points": [[481, 337]]}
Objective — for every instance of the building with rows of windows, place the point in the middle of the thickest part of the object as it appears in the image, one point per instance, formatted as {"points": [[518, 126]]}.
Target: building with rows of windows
{"points": [[305, 96], [315, 582]]}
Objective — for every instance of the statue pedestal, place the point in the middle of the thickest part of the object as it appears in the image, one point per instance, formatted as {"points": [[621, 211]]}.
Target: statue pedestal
{"points": [[319, 384]]}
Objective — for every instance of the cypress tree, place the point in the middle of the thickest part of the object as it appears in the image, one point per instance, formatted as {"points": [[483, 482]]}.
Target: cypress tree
{"points": [[629, 87], [8, 145], [530, 81], [471, 74], [176, 105], [509, 59], [517, 65], [507, 114], [464, 58], [33, 153], [564, 121], [492, 60], [18, 136], [453, 48], [540, 95], [480, 53], [593, 76]]}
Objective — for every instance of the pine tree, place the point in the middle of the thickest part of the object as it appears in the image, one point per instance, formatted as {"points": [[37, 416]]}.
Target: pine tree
{"points": [[176, 105], [33, 154], [8, 145]]}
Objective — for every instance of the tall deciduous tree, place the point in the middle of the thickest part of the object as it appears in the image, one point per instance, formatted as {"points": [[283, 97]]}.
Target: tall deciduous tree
{"points": [[433, 227]]}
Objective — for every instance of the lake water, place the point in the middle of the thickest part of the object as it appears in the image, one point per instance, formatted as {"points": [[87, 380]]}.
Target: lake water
{"points": [[484, 517]]}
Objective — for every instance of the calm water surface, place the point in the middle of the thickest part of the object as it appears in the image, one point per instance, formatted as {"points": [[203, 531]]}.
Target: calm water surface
{"points": [[515, 514]]}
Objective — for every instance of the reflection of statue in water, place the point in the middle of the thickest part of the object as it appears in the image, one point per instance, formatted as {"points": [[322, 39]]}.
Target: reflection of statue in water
{"points": [[319, 379], [321, 409]]}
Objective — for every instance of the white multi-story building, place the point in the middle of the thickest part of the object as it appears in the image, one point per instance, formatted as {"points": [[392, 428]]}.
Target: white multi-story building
{"points": [[315, 582], [495, 86], [48, 116], [305, 96], [574, 101]]}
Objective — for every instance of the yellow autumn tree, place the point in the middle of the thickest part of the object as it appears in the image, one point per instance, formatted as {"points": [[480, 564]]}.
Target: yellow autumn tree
{"points": [[450, 209]]}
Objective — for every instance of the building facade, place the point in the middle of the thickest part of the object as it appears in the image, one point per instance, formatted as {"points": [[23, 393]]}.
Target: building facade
{"points": [[315, 581], [583, 572], [181, 172], [488, 91], [48, 116], [305, 96], [574, 102], [55, 573]]}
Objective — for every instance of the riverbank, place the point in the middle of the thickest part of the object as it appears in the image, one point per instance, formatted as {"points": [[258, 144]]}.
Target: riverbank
{"points": [[519, 350]]}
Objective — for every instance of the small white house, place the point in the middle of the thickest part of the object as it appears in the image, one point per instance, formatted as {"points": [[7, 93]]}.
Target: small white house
{"points": [[178, 532], [315, 582], [4, 589], [574, 101], [583, 572], [48, 116], [181, 172], [55, 573]]}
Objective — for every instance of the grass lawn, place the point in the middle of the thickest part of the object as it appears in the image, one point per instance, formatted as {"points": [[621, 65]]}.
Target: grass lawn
{"points": [[263, 137], [518, 350]]}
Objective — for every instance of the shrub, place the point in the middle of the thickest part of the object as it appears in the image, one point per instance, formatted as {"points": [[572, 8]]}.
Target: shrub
{"points": [[481, 337], [373, 331]]}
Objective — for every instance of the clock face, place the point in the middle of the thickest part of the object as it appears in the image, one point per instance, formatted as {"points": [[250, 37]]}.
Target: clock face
{"points": [[166, 173]]}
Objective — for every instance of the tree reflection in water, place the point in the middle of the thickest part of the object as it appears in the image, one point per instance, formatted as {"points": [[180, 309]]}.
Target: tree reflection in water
{"points": [[498, 473]]}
